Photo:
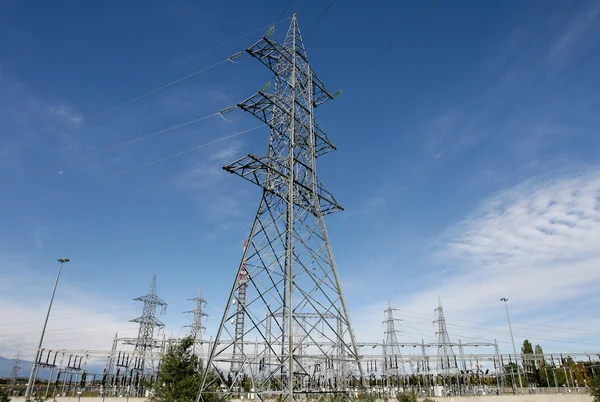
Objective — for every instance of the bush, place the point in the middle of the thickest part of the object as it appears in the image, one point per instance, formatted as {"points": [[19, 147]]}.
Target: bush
{"points": [[4, 395], [428, 400], [406, 397], [595, 388]]}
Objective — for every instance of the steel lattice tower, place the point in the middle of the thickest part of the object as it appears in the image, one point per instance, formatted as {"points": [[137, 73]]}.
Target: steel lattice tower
{"points": [[15, 370], [292, 299], [446, 361], [145, 341], [197, 327], [393, 364]]}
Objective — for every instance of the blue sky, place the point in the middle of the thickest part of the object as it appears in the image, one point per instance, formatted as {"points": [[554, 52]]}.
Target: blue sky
{"points": [[467, 163]]}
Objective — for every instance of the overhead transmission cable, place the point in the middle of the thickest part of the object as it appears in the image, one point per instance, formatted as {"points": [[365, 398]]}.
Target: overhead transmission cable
{"points": [[283, 12], [156, 161], [68, 316], [188, 58], [231, 58], [392, 44], [128, 142], [319, 19]]}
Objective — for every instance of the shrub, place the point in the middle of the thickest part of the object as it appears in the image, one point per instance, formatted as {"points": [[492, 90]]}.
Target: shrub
{"points": [[406, 397], [594, 386]]}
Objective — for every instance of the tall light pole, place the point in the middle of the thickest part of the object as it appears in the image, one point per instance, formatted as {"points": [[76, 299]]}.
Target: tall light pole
{"points": [[39, 348], [504, 299]]}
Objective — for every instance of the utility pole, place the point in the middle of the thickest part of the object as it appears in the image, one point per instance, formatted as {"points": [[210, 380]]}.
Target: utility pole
{"points": [[505, 300], [39, 348]]}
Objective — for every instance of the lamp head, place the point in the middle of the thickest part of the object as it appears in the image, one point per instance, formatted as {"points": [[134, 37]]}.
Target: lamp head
{"points": [[63, 260]]}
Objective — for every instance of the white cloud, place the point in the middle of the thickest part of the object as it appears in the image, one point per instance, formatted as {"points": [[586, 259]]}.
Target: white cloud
{"points": [[535, 244], [80, 320], [229, 153]]}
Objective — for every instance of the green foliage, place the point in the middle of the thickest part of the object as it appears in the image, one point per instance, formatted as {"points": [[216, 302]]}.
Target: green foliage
{"points": [[594, 387], [366, 397], [406, 397], [178, 376], [4, 395], [428, 400]]}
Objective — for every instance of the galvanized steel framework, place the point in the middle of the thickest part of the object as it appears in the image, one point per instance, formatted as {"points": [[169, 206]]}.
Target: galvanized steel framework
{"points": [[292, 298], [393, 364]]}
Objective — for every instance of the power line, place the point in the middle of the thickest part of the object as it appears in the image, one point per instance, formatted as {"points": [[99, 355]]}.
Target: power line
{"points": [[392, 44], [183, 152], [188, 58], [69, 316], [283, 12], [320, 18], [113, 147], [155, 90], [156, 161]]}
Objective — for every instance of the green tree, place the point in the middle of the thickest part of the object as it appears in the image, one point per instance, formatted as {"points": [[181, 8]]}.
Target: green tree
{"points": [[4, 395], [178, 377], [594, 386], [528, 362]]}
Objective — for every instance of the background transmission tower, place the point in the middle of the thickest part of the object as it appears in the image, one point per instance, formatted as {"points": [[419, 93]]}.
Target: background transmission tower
{"points": [[16, 368], [292, 303], [145, 341], [446, 361], [393, 367], [196, 327]]}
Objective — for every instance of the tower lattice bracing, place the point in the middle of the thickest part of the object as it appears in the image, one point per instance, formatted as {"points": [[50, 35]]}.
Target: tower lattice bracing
{"points": [[285, 331], [146, 342], [197, 326], [393, 365], [446, 360], [16, 368]]}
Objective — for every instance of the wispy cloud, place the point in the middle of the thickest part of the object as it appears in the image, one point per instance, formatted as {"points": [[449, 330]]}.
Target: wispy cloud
{"points": [[32, 123], [535, 243], [23, 296], [575, 30], [39, 236]]}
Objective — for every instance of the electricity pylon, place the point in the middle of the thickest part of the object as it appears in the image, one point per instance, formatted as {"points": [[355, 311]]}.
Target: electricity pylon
{"points": [[393, 366], [16, 368], [197, 327], [292, 308], [145, 341], [446, 361]]}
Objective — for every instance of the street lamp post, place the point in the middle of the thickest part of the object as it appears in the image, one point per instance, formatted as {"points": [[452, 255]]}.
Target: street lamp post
{"points": [[37, 353], [504, 299]]}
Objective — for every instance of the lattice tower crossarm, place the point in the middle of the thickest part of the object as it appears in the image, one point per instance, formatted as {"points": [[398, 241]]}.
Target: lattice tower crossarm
{"points": [[293, 302], [446, 361]]}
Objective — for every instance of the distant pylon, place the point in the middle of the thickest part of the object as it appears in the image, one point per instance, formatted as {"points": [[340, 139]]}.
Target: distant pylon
{"points": [[393, 365], [15, 369], [197, 327], [446, 360], [292, 304], [111, 364], [145, 341]]}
